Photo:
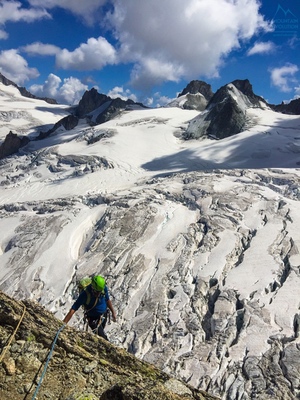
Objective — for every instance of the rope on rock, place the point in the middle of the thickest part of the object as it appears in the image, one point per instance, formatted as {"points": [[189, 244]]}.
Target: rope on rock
{"points": [[13, 335], [47, 362]]}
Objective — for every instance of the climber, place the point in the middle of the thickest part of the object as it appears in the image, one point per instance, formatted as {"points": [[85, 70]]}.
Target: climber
{"points": [[95, 299]]}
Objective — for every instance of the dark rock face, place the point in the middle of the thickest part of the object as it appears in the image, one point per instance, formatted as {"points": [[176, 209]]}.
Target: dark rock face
{"points": [[90, 101], [195, 96], [225, 119], [245, 87], [108, 107], [226, 111], [291, 108], [195, 102], [82, 366], [113, 110], [195, 87], [12, 143], [69, 122]]}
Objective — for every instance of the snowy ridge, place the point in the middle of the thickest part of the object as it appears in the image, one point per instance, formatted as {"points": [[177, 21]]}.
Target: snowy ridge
{"points": [[199, 240]]}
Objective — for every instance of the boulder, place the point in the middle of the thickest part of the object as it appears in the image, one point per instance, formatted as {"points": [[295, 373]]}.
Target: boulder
{"points": [[11, 145]]}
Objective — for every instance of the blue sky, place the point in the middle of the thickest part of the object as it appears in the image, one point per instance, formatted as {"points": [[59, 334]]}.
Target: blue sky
{"points": [[148, 50]]}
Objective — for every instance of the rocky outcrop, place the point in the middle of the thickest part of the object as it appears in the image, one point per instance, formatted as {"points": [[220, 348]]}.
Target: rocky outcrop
{"points": [[195, 87], [95, 107], [292, 107], [90, 101], [99, 108], [245, 87], [113, 109], [81, 366], [195, 96], [69, 122], [12, 144], [226, 112]]}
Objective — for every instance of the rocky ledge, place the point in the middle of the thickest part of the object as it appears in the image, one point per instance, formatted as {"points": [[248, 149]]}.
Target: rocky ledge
{"points": [[82, 366]]}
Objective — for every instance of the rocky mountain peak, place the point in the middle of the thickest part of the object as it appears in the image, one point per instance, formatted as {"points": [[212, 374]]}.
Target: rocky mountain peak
{"points": [[103, 106], [195, 96], [226, 112], [244, 86], [195, 87], [82, 365], [90, 100]]}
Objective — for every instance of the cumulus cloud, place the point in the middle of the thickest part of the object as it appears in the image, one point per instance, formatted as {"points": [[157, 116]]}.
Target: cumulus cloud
{"points": [[12, 11], [86, 9], [160, 100], [72, 90], [68, 91], [297, 92], [94, 54], [38, 48], [189, 38], [284, 77], [262, 48], [162, 40], [150, 71], [15, 67], [48, 89], [3, 34], [124, 94]]}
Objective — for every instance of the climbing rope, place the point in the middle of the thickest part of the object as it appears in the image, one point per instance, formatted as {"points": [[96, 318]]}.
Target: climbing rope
{"points": [[47, 362], [13, 335]]}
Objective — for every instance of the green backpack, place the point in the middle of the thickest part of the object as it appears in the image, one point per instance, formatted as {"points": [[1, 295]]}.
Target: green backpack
{"points": [[82, 286], [83, 283]]}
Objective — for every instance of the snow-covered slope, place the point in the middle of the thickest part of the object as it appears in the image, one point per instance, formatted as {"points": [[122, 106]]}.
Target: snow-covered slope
{"points": [[198, 240], [24, 115]]}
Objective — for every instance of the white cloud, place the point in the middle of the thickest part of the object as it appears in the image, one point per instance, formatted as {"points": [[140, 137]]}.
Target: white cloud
{"points": [[294, 42], [86, 9], [12, 11], [149, 101], [39, 48], [3, 34], [48, 89], [70, 92], [118, 91], [160, 100], [262, 48], [151, 71], [15, 67], [284, 77], [93, 55], [164, 40], [189, 38]]}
